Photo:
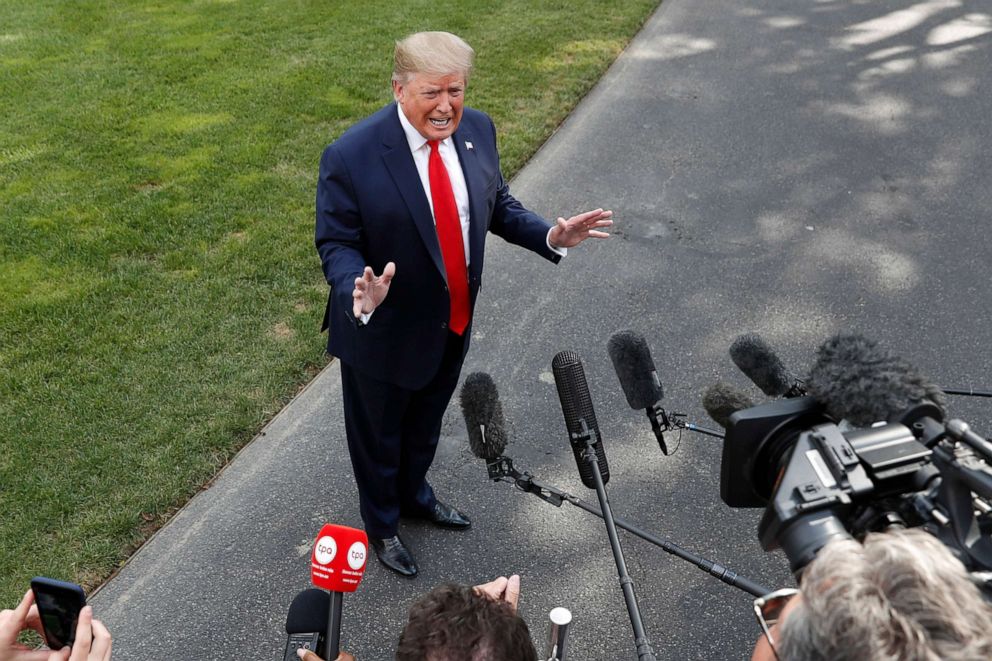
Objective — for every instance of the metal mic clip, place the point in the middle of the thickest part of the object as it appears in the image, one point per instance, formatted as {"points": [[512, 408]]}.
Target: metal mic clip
{"points": [[797, 389], [583, 436], [501, 467], [661, 423]]}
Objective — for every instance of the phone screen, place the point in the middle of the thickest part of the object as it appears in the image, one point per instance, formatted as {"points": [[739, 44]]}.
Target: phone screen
{"points": [[59, 604]]}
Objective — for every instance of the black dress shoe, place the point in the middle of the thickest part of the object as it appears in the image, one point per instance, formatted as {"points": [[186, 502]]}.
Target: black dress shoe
{"points": [[393, 553], [447, 516]]}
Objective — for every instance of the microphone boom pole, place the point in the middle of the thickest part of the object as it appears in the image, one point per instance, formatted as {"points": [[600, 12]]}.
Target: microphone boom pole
{"points": [[502, 469], [967, 392], [589, 455]]}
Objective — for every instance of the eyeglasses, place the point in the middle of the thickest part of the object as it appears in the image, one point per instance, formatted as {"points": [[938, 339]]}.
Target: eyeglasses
{"points": [[768, 610]]}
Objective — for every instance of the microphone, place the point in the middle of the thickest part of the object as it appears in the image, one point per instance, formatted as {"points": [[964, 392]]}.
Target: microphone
{"points": [[306, 623], [483, 415], [337, 564], [762, 365], [587, 446], [639, 379], [721, 400], [580, 419], [857, 380]]}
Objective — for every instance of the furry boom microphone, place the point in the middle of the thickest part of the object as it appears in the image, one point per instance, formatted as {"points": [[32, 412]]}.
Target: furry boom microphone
{"points": [[762, 365], [721, 400], [857, 380], [483, 416]]}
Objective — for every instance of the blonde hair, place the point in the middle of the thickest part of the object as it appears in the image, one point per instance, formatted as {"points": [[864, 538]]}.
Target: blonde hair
{"points": [[432, 53]]}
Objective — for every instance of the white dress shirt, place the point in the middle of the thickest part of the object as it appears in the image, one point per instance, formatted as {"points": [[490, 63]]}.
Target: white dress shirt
{"points": [[421, 155]]}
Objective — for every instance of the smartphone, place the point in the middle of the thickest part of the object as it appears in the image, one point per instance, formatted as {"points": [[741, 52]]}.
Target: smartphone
{"points": [[58, 604]]}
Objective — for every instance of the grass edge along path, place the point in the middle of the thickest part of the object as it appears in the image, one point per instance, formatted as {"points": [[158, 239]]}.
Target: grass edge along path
{"points": [[159, 292]]}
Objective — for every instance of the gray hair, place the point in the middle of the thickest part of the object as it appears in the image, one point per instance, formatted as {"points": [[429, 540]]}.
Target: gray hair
{"points": [[432, 53], [900, 595]]}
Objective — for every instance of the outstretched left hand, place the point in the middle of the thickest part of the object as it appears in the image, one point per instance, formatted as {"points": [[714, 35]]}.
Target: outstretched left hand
{"points": [[575, 230]]}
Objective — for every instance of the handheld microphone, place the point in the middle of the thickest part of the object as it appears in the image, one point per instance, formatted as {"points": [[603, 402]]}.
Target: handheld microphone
{"points": [[306, 623], [639, 379], [761, 364], [857, 380], [580, 419], [337, 564], [721, 400], [483, 415]]}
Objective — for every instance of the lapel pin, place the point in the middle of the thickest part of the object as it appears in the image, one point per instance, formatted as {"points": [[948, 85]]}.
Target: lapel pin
{"points": [[468, 145]]}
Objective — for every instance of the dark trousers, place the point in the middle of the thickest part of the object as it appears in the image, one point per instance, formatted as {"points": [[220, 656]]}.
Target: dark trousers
{"points": [[392, 437]]}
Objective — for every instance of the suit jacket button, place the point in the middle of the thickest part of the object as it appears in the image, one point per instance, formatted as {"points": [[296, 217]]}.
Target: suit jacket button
{"points": [[444, 324]]}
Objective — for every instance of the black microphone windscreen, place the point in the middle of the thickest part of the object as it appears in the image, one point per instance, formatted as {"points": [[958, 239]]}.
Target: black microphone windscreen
{"points": [[483, 415], [857, 380], [721, 400], [308, 612], [632, 361], [576, 406], [759, 362]]}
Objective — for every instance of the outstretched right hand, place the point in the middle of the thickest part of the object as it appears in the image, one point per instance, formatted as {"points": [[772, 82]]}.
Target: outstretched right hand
{"points": [[371, 289]]}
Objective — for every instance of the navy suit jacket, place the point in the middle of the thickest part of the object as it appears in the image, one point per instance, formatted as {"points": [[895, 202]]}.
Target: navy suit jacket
{"points": [[372, 209]]}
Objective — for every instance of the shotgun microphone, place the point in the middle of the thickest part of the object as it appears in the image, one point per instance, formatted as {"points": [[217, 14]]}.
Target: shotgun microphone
{"points": [[721, 400], [483, 415], [638, 376], [587, 445], [580, 419], [858, 380], [762, 365]]}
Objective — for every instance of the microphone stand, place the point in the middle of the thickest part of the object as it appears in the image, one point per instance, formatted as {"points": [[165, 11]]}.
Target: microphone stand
{"points": [[644, 651], [501, 470]]}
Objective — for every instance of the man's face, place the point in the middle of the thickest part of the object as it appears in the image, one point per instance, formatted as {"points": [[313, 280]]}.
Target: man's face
{"points": [[432, 104]]}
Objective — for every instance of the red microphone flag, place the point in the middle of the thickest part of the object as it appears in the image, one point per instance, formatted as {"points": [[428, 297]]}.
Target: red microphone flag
{"points": [[338, 559]]}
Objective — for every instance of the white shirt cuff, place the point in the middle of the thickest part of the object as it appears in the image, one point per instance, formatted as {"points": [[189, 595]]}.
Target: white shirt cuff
{"points": [[561, 252]]}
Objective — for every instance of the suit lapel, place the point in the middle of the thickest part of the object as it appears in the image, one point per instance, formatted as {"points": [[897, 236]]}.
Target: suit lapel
{"points": [[399, 161], [476, 203]]}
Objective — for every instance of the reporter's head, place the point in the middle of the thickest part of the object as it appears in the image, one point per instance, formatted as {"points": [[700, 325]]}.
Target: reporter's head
{"points": [[460, 623], [899, 595]]}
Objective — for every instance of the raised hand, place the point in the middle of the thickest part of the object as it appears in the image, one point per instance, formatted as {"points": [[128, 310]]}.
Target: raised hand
{"points": [[502, 589], [371, 289], [575, 230]]}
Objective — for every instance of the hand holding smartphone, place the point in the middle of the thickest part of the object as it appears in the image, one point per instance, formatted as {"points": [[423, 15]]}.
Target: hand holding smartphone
{"points": [[62, 618], [59, 604]]}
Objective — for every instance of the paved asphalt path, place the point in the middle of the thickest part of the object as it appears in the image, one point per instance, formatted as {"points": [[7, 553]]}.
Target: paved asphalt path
{"points": [[788, 168]]}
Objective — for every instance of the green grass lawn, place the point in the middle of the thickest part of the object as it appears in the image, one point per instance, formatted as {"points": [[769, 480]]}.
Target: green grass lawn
{"points": [[160, 296]]}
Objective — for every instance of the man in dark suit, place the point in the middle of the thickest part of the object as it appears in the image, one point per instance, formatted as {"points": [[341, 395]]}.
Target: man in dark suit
{"points": [[410, 193]]}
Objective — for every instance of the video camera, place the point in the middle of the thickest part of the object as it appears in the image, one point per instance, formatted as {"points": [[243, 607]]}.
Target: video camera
{"points": [[819, 478]]}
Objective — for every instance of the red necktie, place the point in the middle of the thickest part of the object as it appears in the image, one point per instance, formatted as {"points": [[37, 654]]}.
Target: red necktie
{"points": [[449, 234]]}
